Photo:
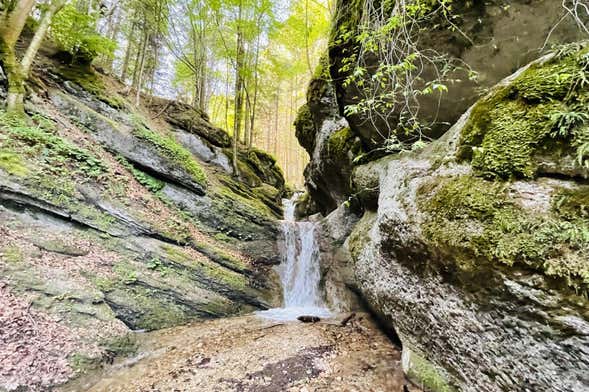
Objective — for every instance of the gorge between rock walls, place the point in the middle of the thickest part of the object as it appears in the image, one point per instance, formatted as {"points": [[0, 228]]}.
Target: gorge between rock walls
{"points": [[270, 351]]}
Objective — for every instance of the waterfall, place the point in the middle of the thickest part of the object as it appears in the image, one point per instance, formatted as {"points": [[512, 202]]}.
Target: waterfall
{"points": [[299, 271]]}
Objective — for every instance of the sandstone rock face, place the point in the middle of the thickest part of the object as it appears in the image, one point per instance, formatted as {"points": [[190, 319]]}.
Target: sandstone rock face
{"points": [[477, 259], [495, 38]]}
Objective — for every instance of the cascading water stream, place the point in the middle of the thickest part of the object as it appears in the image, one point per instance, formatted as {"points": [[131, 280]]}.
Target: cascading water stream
{"points": [[299, 271]]}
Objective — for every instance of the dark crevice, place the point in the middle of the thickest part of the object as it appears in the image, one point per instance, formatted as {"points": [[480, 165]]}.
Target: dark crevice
{"points": [[161, 177], [384, 325], [564, 177]]}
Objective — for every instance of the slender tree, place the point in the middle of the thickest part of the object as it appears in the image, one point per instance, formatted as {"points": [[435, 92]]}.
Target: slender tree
{"points": [[12, 22], [238, 88]]}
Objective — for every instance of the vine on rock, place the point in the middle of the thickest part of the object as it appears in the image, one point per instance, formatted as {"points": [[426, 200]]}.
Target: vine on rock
{"points": [[388, 94]]}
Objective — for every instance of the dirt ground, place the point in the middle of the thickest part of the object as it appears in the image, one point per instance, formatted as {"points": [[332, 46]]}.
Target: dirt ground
{"points": [[252, 354]]}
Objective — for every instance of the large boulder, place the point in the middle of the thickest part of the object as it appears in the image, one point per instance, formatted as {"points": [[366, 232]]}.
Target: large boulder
{"points": [[473, 253], [493, 38], [330, 142]]}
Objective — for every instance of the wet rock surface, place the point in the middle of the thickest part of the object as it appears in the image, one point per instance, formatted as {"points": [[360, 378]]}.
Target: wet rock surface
{"points": [[250, 354]]}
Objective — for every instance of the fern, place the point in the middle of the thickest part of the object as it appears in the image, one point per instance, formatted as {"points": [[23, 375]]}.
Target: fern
{"points": [[567, 122]]}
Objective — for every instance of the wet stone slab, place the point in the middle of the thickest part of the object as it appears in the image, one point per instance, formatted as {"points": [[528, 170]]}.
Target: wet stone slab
{"points": [[257, 355]]}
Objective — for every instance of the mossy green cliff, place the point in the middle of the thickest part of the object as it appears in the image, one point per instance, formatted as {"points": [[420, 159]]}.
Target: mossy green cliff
{"points": [[116, 223]]}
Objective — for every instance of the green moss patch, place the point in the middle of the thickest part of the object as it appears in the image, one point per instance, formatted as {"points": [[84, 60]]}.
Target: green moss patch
{"points": [[12, 163], [38, 139], [149, 309], [341, 143], [12, 254], [542, 113], [572, 204], [474, 222], [208, 269], [427, 375], [305, 128], [168, 146], [89, 80]]}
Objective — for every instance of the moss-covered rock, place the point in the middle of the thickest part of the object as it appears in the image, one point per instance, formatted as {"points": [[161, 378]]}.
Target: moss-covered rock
{"points": [[472, 242], [343, 146], [87, 78], [113, 223], [190, 119], [12, 163], [174, 151], [542, 113], [572, 204], [305, 128], [424, 373], [475, 222]]}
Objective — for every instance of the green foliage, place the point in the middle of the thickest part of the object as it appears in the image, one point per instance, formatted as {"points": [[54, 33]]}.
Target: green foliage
{"points": [[383, 63], [544, 111], [152, 184], [173, 150], [75, 32], [565, 122], [473, 220], [39, 139], [126, 273], [155, 264], [572, 204], [12, 163]]}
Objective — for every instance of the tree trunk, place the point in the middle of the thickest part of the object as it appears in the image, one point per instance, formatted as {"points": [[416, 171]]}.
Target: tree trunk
{"points": [[276, 107], [39, 36], [256, 85], [113, 31], [128, 52], [307, 49], [13, 23], [136, 67], [227, 98], [141, 70], [247, 130], [16, 82], [17, 73], [238, 90]]}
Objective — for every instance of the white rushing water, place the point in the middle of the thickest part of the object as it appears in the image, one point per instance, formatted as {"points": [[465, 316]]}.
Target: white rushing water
{"points": [[299, 270]]}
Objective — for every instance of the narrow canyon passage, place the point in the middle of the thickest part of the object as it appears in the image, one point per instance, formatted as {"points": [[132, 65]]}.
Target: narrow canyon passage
{"points": [[294, 195], [270, 350]]}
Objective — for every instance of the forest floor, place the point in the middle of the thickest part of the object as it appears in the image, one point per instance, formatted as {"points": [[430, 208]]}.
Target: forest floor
{"points": [[253, 354]]}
